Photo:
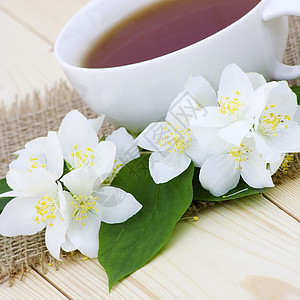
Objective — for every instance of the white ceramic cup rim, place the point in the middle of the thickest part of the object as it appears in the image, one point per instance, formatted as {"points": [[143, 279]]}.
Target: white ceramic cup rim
{"points": [[148, 61]]}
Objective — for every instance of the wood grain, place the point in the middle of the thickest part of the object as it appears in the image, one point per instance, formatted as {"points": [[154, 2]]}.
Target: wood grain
{"points": [[31, 287], [43, 18], [26, 61], [221, 256], [287, 196]]}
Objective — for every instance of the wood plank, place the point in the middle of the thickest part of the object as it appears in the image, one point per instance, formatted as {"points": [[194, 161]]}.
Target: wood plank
{"points": [[26, 61], [86, 279], [287, 196], [31, 287], [43, 18], [244, 249]]}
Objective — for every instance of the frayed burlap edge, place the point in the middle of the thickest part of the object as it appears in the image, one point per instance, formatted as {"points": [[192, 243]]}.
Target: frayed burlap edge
{"points": [[20, 253]]}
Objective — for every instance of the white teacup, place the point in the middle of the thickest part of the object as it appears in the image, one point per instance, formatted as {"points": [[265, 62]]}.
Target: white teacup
{"points": [[135, 95]]}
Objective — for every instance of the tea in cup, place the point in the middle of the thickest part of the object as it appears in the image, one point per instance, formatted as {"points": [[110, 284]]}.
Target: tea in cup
{"points": [[130, 59]]}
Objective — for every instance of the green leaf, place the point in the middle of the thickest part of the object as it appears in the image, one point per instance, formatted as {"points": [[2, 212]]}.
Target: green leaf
{"points": [[3, 189], [241, 190], [126, 247], [296, 90]]}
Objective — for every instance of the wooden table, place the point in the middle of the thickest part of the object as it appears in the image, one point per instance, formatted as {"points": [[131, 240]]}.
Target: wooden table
{"points": [[244, 249]]}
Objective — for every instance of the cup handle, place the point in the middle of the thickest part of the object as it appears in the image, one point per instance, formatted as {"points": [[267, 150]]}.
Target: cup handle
{"points": [[279, 8]]}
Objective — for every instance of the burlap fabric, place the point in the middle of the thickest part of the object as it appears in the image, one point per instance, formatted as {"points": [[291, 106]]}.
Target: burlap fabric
{"points": [[34, 117]]}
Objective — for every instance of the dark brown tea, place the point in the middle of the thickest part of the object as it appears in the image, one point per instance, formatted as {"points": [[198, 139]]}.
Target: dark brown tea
{"points": [[162, 28]]}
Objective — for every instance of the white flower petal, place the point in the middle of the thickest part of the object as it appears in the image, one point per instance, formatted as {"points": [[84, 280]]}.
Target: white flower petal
{"points": [[28, 161], [126, 146], [55, 236], [85, 237], [197, 94], [83, 227], [268, 153], [196, 152], [36, 183], [256, 79], [68, 245], [219, 174], [284, 99], [182, 110], [255, 173], [286, 140], [54, 155], [66, 207], [61, 196], [234, 79], [210, 141], [80, 181], [18, 217], [37, 146], [151, 135], [249, 143], [75, 132], [257, 101], [117, 206], [210, 116], [165, 166], [235, 132], [275, 165], [96, 123], [20, 161], [104, 158], [297, 114], [201, 91]]}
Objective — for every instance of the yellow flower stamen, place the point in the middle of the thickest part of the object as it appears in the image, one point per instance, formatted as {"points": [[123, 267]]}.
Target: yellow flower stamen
{"points": [[177, 139], [286, 164], [35, 163], [45, 209], [240, 154], [230, 106], [272, 122], [83, 158], [83, 205]]}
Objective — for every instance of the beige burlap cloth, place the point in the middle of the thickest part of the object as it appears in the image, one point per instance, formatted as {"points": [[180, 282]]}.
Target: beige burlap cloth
{"points": [[34, 117]]}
